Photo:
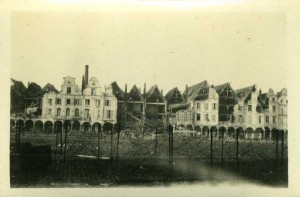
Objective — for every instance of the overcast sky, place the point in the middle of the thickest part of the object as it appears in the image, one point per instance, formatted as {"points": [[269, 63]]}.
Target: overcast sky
{"points": [[169, 49]]}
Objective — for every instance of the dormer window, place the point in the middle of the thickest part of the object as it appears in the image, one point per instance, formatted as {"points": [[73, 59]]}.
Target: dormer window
{"points": [[68, 90]]}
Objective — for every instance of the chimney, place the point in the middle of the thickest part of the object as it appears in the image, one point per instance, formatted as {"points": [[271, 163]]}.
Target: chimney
{"points": [[125, 88], [86, 75], [161, 92], [82, 83], [144, 89]]}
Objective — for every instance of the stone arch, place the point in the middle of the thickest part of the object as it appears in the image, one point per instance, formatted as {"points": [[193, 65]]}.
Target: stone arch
{"points": [[96, 127], [205, 131], [181, 126], [86, 126], [197, 128], [258, 133], [67, 124], [231, 132], [189, 127], [267, 133], [248, 132], [20, 123], [48, 127], [222, 131], [76, 125], [58, 125], [273, 133], [39, 126], [240, 132], [107, 127], [28, 125], [214, 131]]}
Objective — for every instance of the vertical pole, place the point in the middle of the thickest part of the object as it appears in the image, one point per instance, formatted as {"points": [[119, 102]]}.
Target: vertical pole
{"points": [[222, 156], [211, 146], [118, 140], [277, 136], [111, 144], [169, 143], [61, 140], [65, 147], [56, 140], [171, 128], [98, 151], [262, 135], [282, 143], [237, 147], [155, 146]]}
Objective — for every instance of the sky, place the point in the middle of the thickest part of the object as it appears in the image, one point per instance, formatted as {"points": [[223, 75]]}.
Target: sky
{"points": [[171, 48]]}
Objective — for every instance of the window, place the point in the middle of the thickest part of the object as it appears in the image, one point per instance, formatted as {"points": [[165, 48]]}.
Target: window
{"points": [[281, 101], [49, 111], [274, 119], [93, 91], [190, 116], [213, 118], [249, 107], [76, 112], [98, 114], [198, 105], [76, 101], [206, 117], [267, 119], [181, 116], [198, 117], [240, 108], [86, 113], [87, 101], [107, 102], [259, 119], [274, 108], [68, 101], [273, 99], [68, 112], [58, 101], [97, 102], [206, 106], [68, 90], [214, 105], [50, 102], [109, 114], [58, 112]]}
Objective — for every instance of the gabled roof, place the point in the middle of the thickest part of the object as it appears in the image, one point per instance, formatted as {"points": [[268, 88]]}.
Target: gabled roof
{"points": [[245, 93], [135, 94], [117, 91], [226, 100], [49, 88], [175, 93], [153, 94], [198, 91], [220, 88]]}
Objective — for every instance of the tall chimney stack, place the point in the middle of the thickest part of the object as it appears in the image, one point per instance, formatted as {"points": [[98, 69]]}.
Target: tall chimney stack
{"points": [[86, 75], [144, 89]]}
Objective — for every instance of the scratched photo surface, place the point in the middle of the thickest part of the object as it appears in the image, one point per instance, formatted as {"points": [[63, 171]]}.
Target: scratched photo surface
{"points": [[157, 98]]}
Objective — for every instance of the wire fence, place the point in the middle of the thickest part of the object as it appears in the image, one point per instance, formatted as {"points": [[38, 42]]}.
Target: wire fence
{"points": [[158, 143]]}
